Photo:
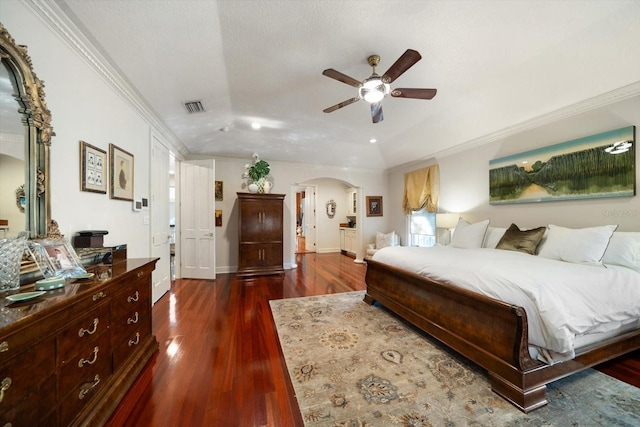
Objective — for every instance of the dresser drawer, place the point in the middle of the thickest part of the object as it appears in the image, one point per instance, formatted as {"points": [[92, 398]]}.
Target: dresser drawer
{"points": [[27, 371], [83, 392], [128, 343], [14, 344], [22, 413], [135, 297], [82, 333], [82, 367]]}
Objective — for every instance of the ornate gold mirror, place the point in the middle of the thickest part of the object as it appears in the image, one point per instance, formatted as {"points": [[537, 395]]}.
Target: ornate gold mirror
{"points": [[25, 137]]}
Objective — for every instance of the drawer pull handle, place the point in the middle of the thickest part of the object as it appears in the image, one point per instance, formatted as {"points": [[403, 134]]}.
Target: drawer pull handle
{"points": [[133, 298], [4, 346], [4, 386], [86, 388], [140, 274], [136, 341], [84, 361], [99, 295], [83, 331], [133, 319]]}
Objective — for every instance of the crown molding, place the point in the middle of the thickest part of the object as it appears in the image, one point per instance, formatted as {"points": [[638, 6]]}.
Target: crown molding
{"points": [[52, 15], [607, 98]]}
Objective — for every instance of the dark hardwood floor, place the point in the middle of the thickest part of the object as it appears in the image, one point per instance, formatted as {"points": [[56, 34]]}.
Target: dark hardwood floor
{"points": [[220, 363]]}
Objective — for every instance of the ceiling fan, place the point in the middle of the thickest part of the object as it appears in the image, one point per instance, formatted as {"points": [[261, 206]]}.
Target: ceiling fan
{"points": [[375, 88]]}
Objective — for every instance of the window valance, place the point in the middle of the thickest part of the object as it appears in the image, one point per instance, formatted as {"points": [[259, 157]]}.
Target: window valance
{"points": [[421, 189]]}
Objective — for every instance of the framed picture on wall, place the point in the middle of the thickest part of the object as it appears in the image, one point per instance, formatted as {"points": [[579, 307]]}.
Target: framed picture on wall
{"points": [[374, 205], [218, 218], [219, 191], [121, 165], [93, 168]]}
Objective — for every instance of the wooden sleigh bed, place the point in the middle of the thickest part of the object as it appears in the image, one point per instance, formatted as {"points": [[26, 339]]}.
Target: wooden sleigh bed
{"points": [[491, 333]]}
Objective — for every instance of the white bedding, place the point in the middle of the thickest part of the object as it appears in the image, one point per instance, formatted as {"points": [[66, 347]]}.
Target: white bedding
{"points": [[562, 300]]}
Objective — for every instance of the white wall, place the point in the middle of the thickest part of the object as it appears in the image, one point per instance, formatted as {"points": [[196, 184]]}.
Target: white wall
{"points": [[464, 177], [11, 178], [84, 107], [327, 229]]}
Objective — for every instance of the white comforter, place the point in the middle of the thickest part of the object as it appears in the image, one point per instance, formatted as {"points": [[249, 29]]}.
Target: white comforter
{"points": [[562, 300]]}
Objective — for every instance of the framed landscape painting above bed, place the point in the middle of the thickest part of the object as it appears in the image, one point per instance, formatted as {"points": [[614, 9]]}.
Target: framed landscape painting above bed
{"points": [[596, 166]]}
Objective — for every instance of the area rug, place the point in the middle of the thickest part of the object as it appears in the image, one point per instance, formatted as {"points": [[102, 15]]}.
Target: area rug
{"points": [[352, 364]]}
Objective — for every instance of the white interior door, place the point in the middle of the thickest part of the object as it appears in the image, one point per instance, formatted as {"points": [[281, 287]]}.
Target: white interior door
{"points": [[310, 219], [197, 220], [159, 211]]}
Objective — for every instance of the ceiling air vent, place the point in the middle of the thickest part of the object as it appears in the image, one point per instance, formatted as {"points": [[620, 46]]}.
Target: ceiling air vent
{"points": [[193, 107]]}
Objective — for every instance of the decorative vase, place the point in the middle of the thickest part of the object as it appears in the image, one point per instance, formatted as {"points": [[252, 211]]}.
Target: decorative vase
{"points": [[260, 183], [253, 187], [11, 251], [267, 187]]}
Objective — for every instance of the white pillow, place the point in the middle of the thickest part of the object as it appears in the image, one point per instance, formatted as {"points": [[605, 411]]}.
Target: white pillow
{"points": [[579, 246], [384, 240], [624, 250], [493, 236], [469, 236]]}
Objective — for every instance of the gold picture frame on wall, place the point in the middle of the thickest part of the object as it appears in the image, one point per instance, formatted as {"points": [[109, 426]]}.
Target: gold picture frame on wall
{"points": [[121, 170], [93, 167], [219, 191]]}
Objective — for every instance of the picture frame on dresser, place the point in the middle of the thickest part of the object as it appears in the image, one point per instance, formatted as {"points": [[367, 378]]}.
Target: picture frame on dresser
{"points": [[93, 167], [56, 258], [121, 172]]}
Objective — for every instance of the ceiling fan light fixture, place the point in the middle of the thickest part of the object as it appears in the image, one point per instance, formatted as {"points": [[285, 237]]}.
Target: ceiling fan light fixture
{"points": [[373, 89]]}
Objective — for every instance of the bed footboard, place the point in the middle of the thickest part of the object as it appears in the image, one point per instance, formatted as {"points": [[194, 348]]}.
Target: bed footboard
{"points": [[491, 333]]}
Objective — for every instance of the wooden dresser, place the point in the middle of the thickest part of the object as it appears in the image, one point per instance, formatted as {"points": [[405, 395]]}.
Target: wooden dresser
{"points": [[260, 234], [69, 356]]}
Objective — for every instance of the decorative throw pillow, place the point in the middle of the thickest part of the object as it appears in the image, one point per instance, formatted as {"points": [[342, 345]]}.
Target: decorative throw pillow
{"points": [[580, 246], [469, 236], [493, 236], [624, 250], [526, 241], [383, 240]]}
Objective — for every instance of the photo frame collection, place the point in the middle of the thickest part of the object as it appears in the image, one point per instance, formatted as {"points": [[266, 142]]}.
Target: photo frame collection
{"points": [[120, 174]]}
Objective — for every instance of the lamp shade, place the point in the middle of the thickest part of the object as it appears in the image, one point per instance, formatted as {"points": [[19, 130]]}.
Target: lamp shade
{"points": [[446, 220]]}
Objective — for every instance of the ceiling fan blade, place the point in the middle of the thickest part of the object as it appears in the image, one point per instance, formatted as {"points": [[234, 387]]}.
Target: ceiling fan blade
{"points": [[376, 112], [406, 61], [330, 72], [414, 93], [340, 105]]}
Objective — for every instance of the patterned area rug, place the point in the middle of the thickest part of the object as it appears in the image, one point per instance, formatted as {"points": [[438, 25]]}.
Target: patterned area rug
{"points": [[352, 364]]}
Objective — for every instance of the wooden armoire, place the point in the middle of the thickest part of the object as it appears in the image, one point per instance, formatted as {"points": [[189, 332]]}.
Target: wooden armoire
{"points": [[260, 234]]}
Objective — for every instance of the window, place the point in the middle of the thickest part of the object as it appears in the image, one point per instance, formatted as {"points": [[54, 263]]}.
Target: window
{"points": [[422, 228]]}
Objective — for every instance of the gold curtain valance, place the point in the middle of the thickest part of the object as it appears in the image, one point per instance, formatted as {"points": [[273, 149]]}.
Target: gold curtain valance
{"points": [[421, 189]]}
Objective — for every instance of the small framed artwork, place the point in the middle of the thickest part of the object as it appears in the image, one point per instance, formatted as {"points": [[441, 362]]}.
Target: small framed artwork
{"points": [[374, 205], [121, 163], [219, 191], [218, 218], [93, 163]]}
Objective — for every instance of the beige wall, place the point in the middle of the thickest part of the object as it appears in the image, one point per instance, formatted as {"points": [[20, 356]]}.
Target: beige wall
{"points": [[464, 177]]}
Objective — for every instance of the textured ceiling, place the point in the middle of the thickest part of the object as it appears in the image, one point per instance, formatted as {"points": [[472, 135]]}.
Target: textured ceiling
{"points": [[494, 63]]}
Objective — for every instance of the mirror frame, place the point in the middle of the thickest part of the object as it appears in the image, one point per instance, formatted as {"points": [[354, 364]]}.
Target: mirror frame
{"points": [[36, 118], [331, 208]]}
